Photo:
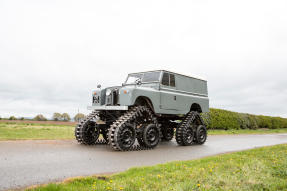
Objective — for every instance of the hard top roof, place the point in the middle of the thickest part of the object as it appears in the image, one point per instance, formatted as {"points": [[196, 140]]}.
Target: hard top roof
{"points": [[172, 73]]}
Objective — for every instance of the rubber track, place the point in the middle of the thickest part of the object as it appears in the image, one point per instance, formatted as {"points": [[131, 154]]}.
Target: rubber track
{"points": [[189, 118], [130, 116], [79, 132]]}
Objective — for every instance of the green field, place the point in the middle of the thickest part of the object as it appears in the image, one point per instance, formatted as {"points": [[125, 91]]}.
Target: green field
{"points": [[22, 131], [28, 131], [257, 169]]}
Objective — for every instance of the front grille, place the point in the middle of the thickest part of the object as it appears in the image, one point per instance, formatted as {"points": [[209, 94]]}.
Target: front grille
{"points": [[109, 99], [112, 99], [115, 96]]}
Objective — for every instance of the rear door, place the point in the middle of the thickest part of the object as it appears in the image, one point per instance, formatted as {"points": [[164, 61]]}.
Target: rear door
{"points": [[168, 99]]}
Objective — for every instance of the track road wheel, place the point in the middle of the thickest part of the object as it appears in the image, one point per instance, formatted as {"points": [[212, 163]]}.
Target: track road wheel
{"points": [[150, 136], [184, 135], [201, 134], [125, 136], [167, 133], [104, 132], [90, 133]]}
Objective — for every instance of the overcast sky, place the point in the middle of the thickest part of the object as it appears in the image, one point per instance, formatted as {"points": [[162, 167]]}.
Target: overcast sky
{"points": [[53, 53]]}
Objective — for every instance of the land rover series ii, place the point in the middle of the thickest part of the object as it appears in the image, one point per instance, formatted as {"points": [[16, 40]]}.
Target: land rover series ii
{"points": [[149, 107]]}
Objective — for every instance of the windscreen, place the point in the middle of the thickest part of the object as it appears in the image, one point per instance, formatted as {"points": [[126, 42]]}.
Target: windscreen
{"points": [[151, 77], [134, 78], [143, 77]]}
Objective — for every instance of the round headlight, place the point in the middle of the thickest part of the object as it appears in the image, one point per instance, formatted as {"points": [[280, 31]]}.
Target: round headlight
{"points": [[108, 92]]}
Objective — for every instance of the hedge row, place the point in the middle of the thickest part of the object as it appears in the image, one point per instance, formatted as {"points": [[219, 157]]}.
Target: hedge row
{"points": [[222, 119]]}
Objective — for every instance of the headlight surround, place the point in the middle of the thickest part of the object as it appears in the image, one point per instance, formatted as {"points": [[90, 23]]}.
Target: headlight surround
{"points": [[108, 92]]}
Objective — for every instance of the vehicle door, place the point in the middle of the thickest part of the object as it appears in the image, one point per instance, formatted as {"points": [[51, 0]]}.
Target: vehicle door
{"points": [[168, 99]]}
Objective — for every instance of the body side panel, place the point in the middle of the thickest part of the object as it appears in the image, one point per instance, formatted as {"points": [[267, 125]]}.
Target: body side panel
{"points": [[188, 90], [133, 93]]}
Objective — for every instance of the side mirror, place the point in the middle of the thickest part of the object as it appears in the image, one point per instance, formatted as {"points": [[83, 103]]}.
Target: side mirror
{"points": [[99, 86], [138, 82]]}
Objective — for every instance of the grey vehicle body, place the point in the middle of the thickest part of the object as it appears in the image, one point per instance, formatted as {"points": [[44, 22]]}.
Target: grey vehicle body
{"points": [[148, 108], [167, 93]]}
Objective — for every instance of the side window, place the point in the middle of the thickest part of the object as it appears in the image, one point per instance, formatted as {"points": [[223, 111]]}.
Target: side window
{"points": [[165, 79], [172, 80]]}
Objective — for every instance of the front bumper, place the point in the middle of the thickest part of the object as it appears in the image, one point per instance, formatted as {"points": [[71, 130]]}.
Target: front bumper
{"points": [[108, 108]]}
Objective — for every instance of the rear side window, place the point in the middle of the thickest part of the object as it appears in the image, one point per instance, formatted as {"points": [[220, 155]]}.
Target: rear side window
{"points": [[168, 80], [165, 79], [172, 80]]}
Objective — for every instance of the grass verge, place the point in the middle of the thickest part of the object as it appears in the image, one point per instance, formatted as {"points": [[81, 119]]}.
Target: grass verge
{"points": [[257, 169], [22, 131], [246, 131]]}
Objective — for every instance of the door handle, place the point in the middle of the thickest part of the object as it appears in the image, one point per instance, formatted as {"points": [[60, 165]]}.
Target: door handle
{"points": [[174, 97]]}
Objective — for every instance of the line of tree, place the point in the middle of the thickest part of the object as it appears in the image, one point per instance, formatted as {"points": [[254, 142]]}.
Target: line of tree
{"points": [[13, 118], [38, 117], [56, 117], [66, 117]]}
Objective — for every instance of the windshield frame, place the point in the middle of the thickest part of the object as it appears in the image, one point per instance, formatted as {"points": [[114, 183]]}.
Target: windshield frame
{"points": [[142, 75]]}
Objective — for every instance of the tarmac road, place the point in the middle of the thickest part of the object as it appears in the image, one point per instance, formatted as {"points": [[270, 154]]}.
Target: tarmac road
{"points": [[25, 163]]}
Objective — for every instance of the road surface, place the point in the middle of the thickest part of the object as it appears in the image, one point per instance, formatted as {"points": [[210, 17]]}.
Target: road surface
{"points": [[25, 163]]}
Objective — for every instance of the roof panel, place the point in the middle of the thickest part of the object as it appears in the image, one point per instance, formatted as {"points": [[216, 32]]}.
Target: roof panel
{"points": [[189, 76]]}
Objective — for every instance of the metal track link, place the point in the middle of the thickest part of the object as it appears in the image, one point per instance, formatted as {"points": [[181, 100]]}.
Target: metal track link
{"points": [[139, 148], [133, 148], [101, 142]]}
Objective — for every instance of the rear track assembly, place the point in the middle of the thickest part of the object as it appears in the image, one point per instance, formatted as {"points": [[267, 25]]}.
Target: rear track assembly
{"points": [[187, 131]]}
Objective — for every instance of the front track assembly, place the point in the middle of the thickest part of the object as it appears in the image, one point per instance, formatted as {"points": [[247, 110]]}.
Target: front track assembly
{"points": [[87, 131], [131, 126]]}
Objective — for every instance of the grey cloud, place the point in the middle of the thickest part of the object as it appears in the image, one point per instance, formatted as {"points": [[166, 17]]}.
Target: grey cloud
{"points": [[53, 54]]}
